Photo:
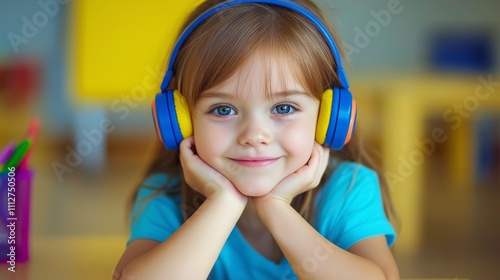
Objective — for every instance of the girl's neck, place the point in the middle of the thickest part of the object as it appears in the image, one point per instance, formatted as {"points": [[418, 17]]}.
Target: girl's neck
{"points": [[250, 220], [257, 235]]}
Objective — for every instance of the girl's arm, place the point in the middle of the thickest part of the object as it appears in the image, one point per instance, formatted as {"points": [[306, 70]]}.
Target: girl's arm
{"points": [[134, 250], [314, 257], [191, 251], [310, 254]]}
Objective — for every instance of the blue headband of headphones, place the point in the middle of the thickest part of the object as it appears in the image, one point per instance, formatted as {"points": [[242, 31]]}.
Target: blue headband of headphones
{"points": [[283, 3]]}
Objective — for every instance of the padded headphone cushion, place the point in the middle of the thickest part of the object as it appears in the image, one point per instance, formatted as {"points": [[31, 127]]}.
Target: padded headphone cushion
{"points": [[163, 122], [352, 123], [343, 119], [324, 116], [336, 118], [172, 118], [183, 115]]}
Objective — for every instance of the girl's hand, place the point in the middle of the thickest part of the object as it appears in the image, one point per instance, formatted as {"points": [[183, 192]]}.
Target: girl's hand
{"points": [[304, 179], [203, 178]]}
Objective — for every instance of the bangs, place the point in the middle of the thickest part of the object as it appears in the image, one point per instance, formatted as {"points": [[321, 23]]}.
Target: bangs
{"points": [[274, 69], [218, 48]]}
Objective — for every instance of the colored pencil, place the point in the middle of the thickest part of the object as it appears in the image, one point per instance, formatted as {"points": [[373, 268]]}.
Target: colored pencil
{"points": [[32, 133], [6, 153], [17, 155]]}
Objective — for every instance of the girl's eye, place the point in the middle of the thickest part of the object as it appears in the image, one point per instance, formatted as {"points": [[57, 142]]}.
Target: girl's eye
{"points": [[223, 111], [283, 109]]}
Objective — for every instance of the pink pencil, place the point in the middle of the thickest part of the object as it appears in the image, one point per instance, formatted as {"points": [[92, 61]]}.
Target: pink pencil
{"points": [[31, 133]]}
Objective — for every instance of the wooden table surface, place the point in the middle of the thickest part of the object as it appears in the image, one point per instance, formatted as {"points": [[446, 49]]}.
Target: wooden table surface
{"points": [[65, 258], [72, 258]]}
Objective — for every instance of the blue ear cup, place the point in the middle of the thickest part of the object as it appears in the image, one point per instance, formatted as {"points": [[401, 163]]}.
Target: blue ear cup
{"points": [[346, 114], [171, 118], [336, 118]]}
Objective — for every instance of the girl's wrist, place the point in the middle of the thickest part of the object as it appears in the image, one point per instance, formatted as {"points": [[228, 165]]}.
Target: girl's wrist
{"points": [[265, 203], [234, 202]]}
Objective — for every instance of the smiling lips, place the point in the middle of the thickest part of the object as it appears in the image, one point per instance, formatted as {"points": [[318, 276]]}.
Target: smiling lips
{"points": [[255, 162]]}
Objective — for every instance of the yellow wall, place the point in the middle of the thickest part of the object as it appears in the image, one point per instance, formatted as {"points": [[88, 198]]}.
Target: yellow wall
{"points": [[115, 42]]}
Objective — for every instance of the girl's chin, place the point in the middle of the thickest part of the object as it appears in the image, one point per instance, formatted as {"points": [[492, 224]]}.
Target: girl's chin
{"points": [[253, 191]]}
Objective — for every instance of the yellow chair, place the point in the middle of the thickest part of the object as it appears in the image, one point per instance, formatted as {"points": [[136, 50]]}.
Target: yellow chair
{"points": [[118, 52]]}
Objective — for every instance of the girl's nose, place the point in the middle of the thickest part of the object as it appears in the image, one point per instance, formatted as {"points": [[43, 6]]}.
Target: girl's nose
{"points": [[255, 133]]}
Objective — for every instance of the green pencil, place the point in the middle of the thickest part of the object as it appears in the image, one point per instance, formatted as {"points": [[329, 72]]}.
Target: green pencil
{"points": [[17, 155]]}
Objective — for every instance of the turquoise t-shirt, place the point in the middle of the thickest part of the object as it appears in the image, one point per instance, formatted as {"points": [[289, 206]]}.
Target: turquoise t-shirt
{"points": [[348, 209]]}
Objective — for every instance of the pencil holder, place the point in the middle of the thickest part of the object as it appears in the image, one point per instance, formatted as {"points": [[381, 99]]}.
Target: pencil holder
{"points": [[15, 215]]}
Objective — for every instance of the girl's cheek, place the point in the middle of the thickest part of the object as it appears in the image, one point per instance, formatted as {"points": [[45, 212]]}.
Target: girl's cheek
{"points": [[279, 126], [297, 137]]}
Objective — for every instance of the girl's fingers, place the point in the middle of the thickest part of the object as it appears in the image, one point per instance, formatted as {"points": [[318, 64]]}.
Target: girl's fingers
{"points": [[187, 152], [187, 145], [306, 178], [325, 156], [316, 158], [199, 175], [317, 165]]}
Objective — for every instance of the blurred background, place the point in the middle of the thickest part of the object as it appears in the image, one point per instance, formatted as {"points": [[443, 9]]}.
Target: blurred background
{"points": [[425, 74]]}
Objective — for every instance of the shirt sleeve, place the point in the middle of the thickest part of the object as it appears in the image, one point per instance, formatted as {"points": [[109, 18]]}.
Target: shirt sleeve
{"points": [[155, 215], [351, 207]]}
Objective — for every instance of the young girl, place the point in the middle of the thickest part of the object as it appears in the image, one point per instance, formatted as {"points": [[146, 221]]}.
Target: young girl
{"points": [[251, 194]]}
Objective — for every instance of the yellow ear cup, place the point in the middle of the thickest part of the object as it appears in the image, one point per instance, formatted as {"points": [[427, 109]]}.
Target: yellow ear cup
{"points": [[325, 111], [183, 116]]}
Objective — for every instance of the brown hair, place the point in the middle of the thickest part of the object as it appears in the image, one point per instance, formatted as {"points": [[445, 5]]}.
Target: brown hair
{"points": [[223, 42]]}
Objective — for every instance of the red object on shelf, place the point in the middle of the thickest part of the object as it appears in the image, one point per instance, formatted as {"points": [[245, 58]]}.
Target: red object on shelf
{"points": [[20, 80]]}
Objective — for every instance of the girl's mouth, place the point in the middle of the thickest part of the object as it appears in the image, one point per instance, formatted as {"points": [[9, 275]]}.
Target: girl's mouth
{"points": [[255, 162]]}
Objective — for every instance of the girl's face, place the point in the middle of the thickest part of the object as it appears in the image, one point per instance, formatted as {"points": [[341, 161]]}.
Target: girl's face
{"points": [[255, 139]]}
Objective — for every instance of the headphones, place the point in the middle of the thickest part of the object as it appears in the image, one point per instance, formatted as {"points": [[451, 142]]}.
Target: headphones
{"points": [[337, 112]]}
